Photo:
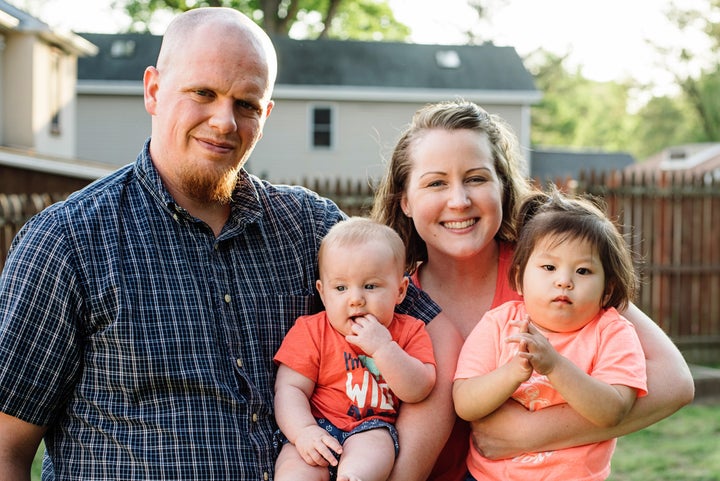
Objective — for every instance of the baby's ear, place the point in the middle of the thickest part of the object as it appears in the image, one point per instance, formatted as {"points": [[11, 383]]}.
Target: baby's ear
{"points": [[607, 295], [318, 286], [518, 282], [402, 289]]}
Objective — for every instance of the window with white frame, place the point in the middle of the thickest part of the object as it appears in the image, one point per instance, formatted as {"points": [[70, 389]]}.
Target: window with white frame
{"points": [[322, 126], [55, 94]]}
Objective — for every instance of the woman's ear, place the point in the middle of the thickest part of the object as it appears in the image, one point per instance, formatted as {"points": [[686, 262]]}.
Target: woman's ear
{"points": [[404, 206]]}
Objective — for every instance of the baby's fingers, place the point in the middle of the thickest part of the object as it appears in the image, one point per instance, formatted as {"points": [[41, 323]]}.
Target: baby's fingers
{"points": [[328, 448], [320, 452], [520, 339], [521, 324]]}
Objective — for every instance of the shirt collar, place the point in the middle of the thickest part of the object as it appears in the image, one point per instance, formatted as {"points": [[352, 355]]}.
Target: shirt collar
{"points": [[245, 204]]}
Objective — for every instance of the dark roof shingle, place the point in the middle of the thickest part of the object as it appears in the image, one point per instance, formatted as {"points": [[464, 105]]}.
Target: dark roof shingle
{"points": [[336, 62]]}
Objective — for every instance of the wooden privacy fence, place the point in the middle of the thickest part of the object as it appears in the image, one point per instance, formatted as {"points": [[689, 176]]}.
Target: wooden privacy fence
{"points": [[671, 221], [15, 210]]}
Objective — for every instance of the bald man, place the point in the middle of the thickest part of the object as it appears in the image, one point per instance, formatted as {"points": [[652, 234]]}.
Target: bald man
{"points": [[139, 318]]}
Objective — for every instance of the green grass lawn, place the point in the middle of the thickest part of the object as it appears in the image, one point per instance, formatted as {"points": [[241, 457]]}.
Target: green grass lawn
{"points": [[683, 447]]}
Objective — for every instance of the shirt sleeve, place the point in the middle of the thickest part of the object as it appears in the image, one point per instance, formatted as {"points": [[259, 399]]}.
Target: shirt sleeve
{"points": [[418, 304], [620, 358], [415, 341], [298, 350], [485, 348], [40, 307]]}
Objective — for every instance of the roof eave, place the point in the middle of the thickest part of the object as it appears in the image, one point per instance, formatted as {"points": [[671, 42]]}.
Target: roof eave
{"points": [[70, 42], [40, 163], [401, 94]]}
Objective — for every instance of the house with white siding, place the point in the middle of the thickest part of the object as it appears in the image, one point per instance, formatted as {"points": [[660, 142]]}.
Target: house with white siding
{"points": [[340, 105]]}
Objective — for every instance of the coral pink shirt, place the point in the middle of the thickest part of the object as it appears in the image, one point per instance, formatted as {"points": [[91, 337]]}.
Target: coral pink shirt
{"points": [[607, 348], [348, 387], [451, 463]]}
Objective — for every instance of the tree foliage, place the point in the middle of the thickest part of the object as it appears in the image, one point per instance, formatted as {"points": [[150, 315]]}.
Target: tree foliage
{"points": [[576, 111], [697, 73], [357, 19]]}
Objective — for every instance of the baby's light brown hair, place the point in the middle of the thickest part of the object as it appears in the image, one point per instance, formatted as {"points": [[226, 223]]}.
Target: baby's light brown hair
{"points": [[359, 230]]}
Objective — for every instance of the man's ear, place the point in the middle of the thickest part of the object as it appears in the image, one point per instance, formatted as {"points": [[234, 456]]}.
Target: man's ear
{"points": [[151, 79]]}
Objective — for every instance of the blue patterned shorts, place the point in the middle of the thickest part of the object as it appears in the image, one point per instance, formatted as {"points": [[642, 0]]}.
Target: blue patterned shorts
{"points": [[279, 438]]}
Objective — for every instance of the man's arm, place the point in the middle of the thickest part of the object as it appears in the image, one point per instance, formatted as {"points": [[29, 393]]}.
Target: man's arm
{"points": [[19, 442]]}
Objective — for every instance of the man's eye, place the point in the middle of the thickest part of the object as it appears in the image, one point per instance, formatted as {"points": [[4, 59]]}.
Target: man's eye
{"points": [[247, 106]]}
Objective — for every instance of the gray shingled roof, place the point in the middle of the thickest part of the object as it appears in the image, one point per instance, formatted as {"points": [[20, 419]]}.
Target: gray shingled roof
{"points": [[385, 64], [346, 63], [550, 164], [108, 66]]}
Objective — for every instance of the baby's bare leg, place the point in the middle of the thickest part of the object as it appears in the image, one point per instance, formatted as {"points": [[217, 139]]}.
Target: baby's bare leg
{"points": [[290, 466], [367, 456]]}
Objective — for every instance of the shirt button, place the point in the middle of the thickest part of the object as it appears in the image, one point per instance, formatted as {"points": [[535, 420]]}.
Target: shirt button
{"points": [[238, 361], [227, 298], [254, 417], [266, 476]]}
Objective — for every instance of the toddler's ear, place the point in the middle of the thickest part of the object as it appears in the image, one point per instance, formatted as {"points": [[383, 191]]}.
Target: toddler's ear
{"points": [[518, 284]]}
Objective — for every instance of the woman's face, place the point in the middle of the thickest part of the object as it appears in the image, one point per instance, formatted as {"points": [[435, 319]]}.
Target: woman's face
{"points": [[454, 195]]}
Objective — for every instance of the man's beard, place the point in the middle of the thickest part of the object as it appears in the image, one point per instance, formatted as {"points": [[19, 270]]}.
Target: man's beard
{"points": [[210, 186]]}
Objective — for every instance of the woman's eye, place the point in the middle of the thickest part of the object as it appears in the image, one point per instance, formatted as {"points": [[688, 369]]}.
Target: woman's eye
{"points": [[477, 180]]}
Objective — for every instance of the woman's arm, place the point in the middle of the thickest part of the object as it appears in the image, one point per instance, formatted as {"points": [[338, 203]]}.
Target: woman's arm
{"points": [[424, 427], [511, 430]]}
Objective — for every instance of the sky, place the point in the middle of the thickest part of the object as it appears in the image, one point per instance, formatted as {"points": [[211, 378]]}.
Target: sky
{"points": [[606, 39]]}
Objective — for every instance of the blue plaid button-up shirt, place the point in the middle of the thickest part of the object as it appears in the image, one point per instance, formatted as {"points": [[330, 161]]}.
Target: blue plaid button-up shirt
{"points": [[144, 341]]}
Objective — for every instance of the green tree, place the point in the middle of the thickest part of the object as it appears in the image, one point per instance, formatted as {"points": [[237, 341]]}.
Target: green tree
{"points": [[576, 111], [357, 19], [697, 73], [663, 122]]}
